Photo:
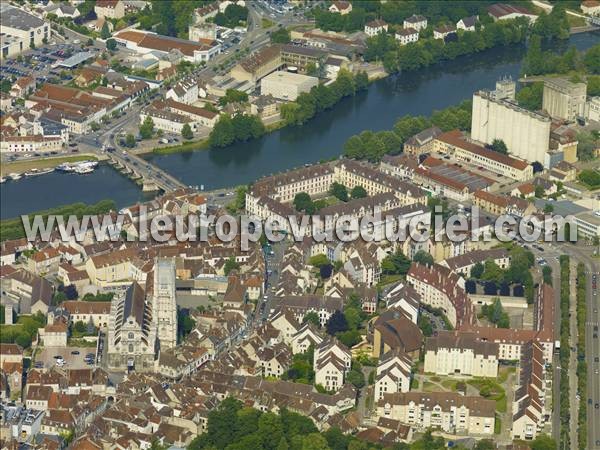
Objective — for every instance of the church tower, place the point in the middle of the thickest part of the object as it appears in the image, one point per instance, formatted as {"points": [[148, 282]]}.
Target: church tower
{"points": [[163, 302]]}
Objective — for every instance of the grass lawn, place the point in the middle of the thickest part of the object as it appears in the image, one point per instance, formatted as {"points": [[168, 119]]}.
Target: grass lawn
{"points": [[490, 389], [24, 166], [575, 21], [181, 148], [431, 387], [450, 385], [389, 279], [266, 23], [589, 178], [504, 372]]}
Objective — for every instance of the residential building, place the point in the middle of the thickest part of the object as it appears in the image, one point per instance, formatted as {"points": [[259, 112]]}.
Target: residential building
{"points": [[441, 288], [30, 144], [592, 109], [448, 411], [110, 9], [22, 87], [467, 23], [529, 405], [27, 293], [458, 353], [463, 264], [406, 36], [286, 85], [332, 361], [374, 27], [304, 338], [416, 22], [564, 99], [97, 313], [502, 204], [341, 7], [393, 374], [422, 142], [591, 7], [454, 143], [443, 31]]}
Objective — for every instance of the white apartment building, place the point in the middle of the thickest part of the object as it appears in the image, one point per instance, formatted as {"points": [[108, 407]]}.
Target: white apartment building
{"points": [[393, 374], [448, 411], [30, 144], [415, 21], [460, 353], [407, 36], [374, 27]]}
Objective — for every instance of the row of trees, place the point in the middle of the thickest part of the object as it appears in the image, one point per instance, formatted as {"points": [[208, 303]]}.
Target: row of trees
{"points": [[13, 228], [540, 62], [426, 52], [321, 97], [581, 361], [565, 415], [517, 273], [340, 192], [373, 145], [239, 128]]}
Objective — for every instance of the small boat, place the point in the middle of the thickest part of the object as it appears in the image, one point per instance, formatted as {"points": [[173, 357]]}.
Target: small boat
{"points": [[14, 176], [36, 172], [64, 167], [2, 180], [83, 170]]}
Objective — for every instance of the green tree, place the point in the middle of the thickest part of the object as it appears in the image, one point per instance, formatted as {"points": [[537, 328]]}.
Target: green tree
{"points": [[423, 257], [339, 191], [543, 442], [547, 274], [223, 133], [270, 430], [105, 32], [186, 131], [312, 69], [318, 260], [336, 323], [312, 317], [233, 96], [281, 36], [499, 146], [395, 264], [303, 203], [477, 270], [230, 265], [530, 97], [492, 272], [361, 79], [592, 59], [111, 44], [548, 208], [358, 192], [147, 128], [130, 140]]}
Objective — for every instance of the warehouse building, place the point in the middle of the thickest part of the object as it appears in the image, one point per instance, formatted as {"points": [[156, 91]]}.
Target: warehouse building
{"points": [[286, 85]]}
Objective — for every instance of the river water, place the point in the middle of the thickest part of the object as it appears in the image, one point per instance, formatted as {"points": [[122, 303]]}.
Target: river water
{"points": [[323, 137]]}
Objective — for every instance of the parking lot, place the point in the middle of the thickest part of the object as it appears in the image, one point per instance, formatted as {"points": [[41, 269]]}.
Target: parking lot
{"points": [[73, 361]]}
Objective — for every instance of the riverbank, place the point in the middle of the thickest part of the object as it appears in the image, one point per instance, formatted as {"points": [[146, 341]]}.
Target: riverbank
{"points": [[43, 163], [13, 228]]}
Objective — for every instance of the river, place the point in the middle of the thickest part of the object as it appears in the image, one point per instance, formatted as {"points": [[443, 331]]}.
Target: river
{"points": [[323, 137]]}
